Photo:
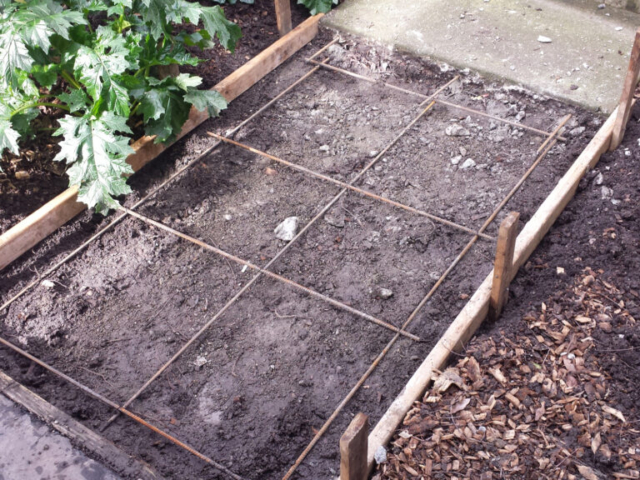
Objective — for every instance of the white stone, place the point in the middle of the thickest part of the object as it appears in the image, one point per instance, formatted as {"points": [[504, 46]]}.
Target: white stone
{"points": [[287, 229], [457, 130], [380, 455], [543, 39], [456, 160], [48, 284], [468, 163]]}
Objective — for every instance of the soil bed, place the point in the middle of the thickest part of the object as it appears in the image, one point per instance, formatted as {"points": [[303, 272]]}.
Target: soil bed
{"points": [[252, 392]]}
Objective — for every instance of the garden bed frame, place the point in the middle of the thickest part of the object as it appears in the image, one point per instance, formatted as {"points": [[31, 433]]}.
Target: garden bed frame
{"points": [[460, 330]]}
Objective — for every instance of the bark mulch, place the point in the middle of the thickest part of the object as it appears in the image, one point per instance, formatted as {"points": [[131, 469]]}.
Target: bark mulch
{"points": [[534, 401]]}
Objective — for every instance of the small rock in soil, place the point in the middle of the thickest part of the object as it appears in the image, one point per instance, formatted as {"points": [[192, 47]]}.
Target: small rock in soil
{"points": [[456, 160], [385, 293], [457, 130], [22, 175], [543, 39], [335, 217], [324, 148], [287, 229], [48, 284], [577, 131], [599, 179], [468, 163], [380, 456], [607, 193], [200, 362], [373, 153]]}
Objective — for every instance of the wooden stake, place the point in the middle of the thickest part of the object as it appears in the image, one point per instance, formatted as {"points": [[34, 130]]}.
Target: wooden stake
{"points": [[503, 265], [626, 99], [283, 15], [353, 449]]}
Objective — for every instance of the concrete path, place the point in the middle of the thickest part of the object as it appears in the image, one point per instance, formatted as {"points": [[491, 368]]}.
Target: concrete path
{"points": [[584, 63], [29, 450]]}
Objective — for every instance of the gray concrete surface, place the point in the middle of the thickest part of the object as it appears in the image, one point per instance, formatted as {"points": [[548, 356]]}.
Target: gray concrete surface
{"points": [[30, 450], [585, 62]]}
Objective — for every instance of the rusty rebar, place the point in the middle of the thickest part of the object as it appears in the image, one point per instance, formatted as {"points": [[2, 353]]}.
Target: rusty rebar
{"points": [[92, 393]]}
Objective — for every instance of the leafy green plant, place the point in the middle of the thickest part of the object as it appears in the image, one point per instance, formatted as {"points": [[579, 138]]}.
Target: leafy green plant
{"points": [[318, 6], [100, 62]]}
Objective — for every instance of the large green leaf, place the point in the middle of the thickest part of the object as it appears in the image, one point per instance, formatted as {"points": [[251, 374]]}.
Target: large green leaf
{"points": [[8, 137], [215, 22], [98, 67], [211, 100], [14, 56], [98, 157]]}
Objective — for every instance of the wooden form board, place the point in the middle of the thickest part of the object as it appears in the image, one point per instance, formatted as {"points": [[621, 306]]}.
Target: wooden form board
{"points": [[477, 309], [80, 435], [353, 449], [47, 219], [626, 99], [283, 16], [503, 264]]}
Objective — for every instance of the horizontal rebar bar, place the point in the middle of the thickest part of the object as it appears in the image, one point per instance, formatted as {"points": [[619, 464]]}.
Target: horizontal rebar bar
{"points": [[275, 276], [422, 95], [92, 393], [366, 193], [255, 278], [155, 190]]}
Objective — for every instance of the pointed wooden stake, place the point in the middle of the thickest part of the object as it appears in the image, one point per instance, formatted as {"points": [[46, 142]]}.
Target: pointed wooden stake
{"points": [[353, 449], [502, 268], [626, 100], [283, 16]]}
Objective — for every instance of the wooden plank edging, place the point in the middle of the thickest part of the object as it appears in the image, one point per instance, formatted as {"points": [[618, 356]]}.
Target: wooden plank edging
{"points": [[47, 219], [476, 310], [79, 435]]}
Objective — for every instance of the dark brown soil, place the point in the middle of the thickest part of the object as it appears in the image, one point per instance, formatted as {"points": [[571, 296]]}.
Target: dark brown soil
{"points": [[268, 373], [39, 178]]}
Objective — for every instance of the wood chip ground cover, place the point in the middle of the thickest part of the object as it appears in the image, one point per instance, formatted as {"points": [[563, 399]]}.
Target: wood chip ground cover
{"points": [[253, 392]]}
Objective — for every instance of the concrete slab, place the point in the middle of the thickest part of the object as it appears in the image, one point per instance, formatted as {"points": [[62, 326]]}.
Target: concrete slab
{"points": [[30, 450], [584, 63]]}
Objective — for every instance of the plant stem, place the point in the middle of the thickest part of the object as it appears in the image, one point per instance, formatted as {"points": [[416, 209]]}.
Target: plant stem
{"points": [[40, 104], [69, 78]]}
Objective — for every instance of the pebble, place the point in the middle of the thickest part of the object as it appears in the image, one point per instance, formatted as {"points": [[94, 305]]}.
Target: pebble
{"points": [[577, 131], [200, 362], [456, 160], [48, 284], [324, 148], [606, 192], [543, 39], [599, 180], [520, 116], [380, 455], [385, 293], [457, 130], [228, 217], [22, 175], [468, 163], [373, 153], [287, 229], [463, 151]]}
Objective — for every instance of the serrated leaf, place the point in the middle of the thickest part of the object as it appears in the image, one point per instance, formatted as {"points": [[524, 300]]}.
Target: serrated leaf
{"points": [[98, 158], [37, 34], [13, 56], [211, 100], [174, 112], [182, 9], [46, 75], [185, 81], [152, 104], [8, 137], [76, 100], [228, 33], [318, 6]]}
